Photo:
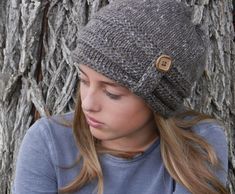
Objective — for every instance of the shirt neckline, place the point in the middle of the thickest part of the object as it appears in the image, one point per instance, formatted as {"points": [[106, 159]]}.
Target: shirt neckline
{"points": [[115, 159]]}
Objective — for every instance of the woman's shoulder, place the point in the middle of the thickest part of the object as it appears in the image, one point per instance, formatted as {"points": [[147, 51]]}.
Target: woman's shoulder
{"points": [[46, 146], [214, 133], [211, 130], [56, 124], [55, 134]]}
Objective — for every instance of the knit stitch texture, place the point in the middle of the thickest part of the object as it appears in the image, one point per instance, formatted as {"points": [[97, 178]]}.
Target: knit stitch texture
{"points": [[124, 39]]}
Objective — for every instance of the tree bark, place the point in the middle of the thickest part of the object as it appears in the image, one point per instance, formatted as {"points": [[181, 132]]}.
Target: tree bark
{"points": [[37, 77]]}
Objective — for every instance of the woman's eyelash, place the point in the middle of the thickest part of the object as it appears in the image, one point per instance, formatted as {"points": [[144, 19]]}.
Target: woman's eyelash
{"points": [[112, 96]]}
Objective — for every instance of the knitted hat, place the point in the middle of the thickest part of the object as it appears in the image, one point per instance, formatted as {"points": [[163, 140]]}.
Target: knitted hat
{"points": [[149, 46]]}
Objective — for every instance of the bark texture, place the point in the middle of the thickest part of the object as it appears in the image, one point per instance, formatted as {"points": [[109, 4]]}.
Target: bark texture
{"points": [[37, 77]]}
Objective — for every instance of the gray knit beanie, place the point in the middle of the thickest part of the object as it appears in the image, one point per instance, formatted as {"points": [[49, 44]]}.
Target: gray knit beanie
{"points": [[149, 46]]}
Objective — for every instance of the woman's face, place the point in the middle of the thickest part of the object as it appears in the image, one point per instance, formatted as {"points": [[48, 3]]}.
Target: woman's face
{"points": [[117, 117]]}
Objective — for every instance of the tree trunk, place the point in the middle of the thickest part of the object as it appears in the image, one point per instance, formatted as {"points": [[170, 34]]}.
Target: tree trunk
{"points": [[37, 77]]}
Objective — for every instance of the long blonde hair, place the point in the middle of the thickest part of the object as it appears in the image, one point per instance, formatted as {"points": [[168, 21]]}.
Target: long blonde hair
{"points": [[182, 150]]}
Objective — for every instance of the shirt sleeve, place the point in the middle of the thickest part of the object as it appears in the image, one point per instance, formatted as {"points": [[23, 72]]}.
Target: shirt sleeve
{"points": [[35, 172], [215, 136]]}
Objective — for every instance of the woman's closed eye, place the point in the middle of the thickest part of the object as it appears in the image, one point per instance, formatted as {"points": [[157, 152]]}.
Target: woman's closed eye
{"points": [[112, 96], [107, 93]]}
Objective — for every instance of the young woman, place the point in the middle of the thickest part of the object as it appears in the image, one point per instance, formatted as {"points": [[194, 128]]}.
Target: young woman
{"points": [[130, 133]]}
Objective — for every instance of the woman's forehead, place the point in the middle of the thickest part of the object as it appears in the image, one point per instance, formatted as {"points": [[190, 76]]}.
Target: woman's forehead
{"points": [[89, 72], [85, 69]]}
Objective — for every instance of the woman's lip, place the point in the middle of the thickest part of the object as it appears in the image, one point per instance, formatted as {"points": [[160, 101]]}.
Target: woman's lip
{"points": [[92, 119], [94, 123]]}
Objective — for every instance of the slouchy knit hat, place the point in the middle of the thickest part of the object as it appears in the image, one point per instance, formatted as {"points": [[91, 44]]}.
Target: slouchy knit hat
{"points": [[149, 46]]}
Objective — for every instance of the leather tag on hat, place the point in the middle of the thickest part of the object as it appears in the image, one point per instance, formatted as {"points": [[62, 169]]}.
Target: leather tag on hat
{"points": [[163, 63]]}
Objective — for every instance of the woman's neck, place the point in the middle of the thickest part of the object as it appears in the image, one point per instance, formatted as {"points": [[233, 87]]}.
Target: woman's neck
{"points": [[132, 144]]}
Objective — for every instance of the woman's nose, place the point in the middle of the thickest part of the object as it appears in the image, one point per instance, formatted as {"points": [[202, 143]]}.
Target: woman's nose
{"points": [[90, 101]]}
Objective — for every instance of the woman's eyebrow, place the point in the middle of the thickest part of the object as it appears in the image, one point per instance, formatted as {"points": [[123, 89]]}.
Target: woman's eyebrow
{"points": [[110, 84], [82, 71]]}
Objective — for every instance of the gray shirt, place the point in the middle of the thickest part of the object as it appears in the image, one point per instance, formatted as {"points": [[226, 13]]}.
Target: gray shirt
{"points": [[48, 146]]}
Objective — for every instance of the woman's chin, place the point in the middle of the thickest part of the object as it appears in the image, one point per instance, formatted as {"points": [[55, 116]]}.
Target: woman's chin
{"points": [[101, 134], [98, 133]]}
